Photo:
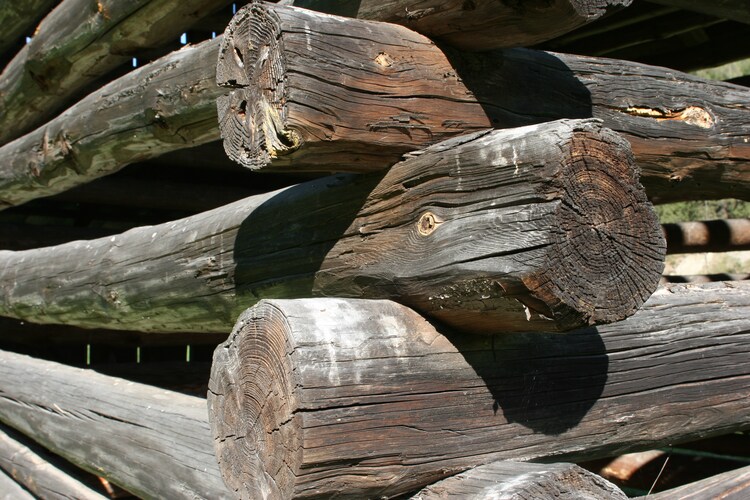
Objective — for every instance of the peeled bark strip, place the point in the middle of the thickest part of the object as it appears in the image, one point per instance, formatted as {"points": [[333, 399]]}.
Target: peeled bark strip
{"points": [[359, 398], [731, 485], [152, 442], [163, 106], [476, 24], [37, 474], [519, 481], [79, 41], [297, 104], [724, 235], [543, 227]]}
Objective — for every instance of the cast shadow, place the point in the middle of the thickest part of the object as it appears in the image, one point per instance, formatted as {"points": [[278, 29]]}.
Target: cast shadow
{"points": [[546, 382]]}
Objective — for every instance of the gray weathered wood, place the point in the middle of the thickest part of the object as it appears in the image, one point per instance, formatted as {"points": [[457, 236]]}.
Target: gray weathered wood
{"points": [[296, 103], [365, 398], [497, 231], [152, 442], [475, 24], [160, 107], [736, 10], [505, 480], [18, 18], [33, 469], [724, 235], [11, 490], [731, 485], [79, 41]]}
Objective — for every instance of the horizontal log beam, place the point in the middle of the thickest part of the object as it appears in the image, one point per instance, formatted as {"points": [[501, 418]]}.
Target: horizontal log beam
{"points": [[478, 24], [519, 480], [12, 490], [151, 442], [366, 398], [40, 472], [725, 235], [295, 104], [163, 106], [80, 41], [736, 10], [505, 230], [18, 19], [732, 484]]}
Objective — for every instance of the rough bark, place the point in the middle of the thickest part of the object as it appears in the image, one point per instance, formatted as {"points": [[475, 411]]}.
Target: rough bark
{"points": [[732, 485], [724, 235], [153, 443], [506, 230], [736, 10], [79, 41], [523, 481], [19, 18], [40, 473], [157, 108], [296, 104], [365, 398]]}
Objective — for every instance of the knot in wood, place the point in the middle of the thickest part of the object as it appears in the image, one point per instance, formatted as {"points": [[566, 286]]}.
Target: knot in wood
{"points": [[427, 224]]}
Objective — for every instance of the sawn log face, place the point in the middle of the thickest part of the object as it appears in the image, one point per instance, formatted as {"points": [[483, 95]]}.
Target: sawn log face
{"points": [[543, 227]]}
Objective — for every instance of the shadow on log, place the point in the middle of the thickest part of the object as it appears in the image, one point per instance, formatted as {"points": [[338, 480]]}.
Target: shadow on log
{"points": [[538, 228], [365, 398]]}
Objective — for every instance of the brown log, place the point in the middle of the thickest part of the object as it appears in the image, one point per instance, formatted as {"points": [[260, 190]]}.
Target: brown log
{"points": [[160, 107], [365, 398], [519, 481], [732, 485], [151, 442], [505, 230], [476, 24], [40, 472], [296, 104], [19, 18], [79, 41], [736, 10], [725, 235]]}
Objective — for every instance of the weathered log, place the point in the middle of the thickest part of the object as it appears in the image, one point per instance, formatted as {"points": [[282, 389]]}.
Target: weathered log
{"points": [[78, 42], [476, 24], [365, 398], [708, 236], [520, 480], [543, 227], [732, 485], [18, 18], [296, 104], [157, 108], [152, 442], [11, 490], [38, 471], [736, 10]]}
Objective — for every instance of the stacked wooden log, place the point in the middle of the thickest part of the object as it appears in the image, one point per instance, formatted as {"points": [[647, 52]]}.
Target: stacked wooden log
{"points": [[466, 287]]}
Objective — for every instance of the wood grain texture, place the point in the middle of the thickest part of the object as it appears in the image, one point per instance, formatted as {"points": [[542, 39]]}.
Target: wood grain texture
{"points": [[543, 227], [523, 481], [296, 103], [732, 485], [365, 398], [33, 469], [152, 442], [724, 235], [11, 490], [79, 41], [476, 24], [160, 107], [19, 18]]}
